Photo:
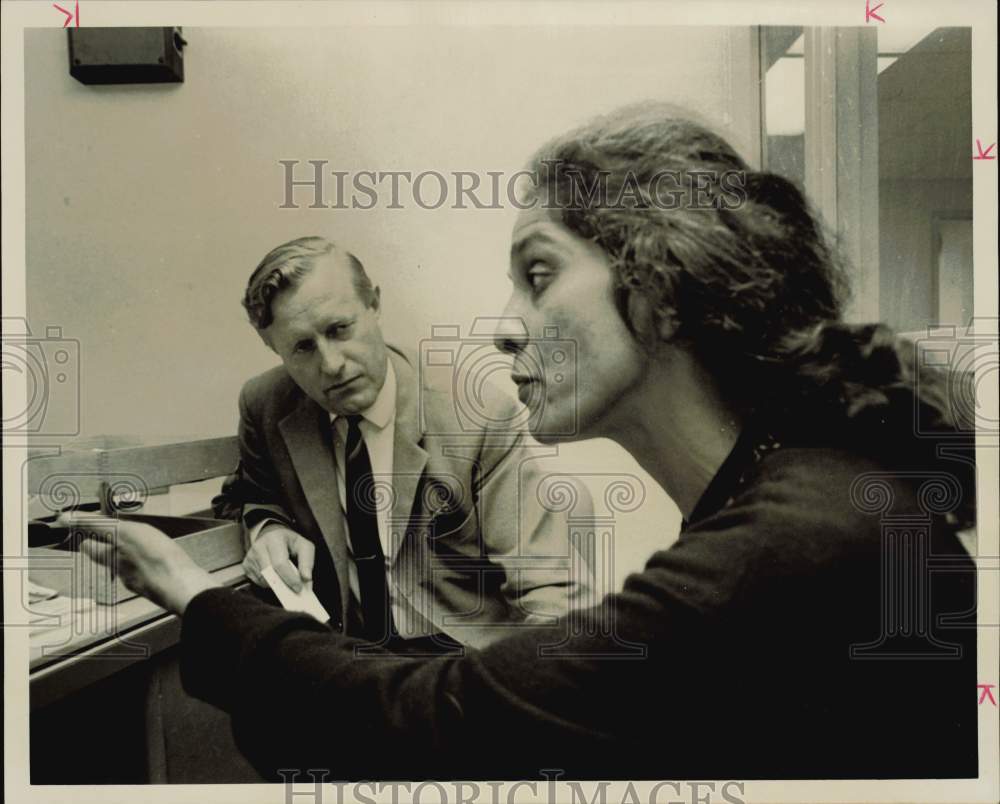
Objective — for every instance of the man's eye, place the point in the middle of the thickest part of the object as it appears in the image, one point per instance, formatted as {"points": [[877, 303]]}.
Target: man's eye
{"points": [[339, 331], [304, 346]]}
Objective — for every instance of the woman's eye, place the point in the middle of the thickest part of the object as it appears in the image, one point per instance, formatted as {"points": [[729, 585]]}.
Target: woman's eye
{"points": [[539, 275]]}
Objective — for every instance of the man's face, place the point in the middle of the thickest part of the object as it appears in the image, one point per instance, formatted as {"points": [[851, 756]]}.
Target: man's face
{"points": [[329, 341], [563, 290]]}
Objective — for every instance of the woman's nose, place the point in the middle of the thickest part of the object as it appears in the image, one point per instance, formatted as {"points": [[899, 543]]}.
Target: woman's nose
{"points": [[511, 335]]}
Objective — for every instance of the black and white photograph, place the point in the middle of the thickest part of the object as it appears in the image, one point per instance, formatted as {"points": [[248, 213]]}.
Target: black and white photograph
{"points": [[496, 402]]}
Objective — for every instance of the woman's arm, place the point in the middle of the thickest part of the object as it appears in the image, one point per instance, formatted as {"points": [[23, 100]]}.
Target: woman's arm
{"points": [[561, 697], [362, 713], [564, 697]]}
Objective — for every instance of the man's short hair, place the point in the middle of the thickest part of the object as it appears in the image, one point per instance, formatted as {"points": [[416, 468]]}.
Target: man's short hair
{"points": [[285, 266]]}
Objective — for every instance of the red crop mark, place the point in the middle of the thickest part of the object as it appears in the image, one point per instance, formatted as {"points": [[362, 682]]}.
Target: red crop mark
{"points": [[981, 154], [75, 16], [870, 12]]}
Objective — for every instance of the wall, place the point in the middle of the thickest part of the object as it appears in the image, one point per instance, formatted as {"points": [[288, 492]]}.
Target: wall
{"points": [[925, 127], [148, 205], [907, 208]]}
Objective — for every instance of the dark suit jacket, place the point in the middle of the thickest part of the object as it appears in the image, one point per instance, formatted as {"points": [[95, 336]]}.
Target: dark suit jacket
{"points": [[796, 630], [472, 550]]}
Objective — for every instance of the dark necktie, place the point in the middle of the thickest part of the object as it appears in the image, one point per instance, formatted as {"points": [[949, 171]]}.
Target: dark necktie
{"points": [[363, 526]]}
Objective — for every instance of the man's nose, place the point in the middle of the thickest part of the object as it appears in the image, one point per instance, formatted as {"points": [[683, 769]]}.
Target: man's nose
{"points": [[511, 335], [331, 358]]}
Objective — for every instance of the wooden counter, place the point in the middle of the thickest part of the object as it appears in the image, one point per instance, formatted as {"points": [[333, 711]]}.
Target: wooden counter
{"points": [[106, 701]]}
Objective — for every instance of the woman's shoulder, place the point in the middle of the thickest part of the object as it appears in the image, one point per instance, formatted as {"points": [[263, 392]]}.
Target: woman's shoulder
{"points": [[798, 511], [821, 498], [844, 482]]}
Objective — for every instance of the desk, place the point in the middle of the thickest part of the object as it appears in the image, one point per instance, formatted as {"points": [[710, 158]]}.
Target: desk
{"points": [[66, 658], [104, 688]]}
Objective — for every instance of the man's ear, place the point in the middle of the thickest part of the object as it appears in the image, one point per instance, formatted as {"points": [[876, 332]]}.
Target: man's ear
{"points": [[267, 340], [376, 304]]}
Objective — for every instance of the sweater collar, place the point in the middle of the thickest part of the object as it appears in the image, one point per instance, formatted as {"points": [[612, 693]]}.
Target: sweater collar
{"points": [[749, 448]]}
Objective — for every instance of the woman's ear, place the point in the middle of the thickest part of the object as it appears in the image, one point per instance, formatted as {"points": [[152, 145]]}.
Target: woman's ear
{"points": [[650, 325], [666, 325], [640, 315]]}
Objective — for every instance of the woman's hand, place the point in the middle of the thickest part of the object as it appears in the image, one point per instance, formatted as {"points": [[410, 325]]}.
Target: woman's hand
{"points": [[149, 562]]}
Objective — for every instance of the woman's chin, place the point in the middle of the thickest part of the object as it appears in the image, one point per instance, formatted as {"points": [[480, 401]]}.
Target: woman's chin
{"points": [[549, 429]]}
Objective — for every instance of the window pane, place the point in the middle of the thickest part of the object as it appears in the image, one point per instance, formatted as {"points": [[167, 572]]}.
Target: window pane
{"points": [[784, 101]]}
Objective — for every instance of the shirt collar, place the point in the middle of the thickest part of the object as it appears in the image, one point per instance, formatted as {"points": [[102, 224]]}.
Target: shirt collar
{"points": [[381, 411]]}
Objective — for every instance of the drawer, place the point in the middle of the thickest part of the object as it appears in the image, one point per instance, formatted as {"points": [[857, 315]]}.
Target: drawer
{"points": [[212, 543]]}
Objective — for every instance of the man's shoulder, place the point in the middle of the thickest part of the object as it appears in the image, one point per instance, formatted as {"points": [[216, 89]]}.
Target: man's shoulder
{"points": [[406, 363], [458, 402], [271, 389]]}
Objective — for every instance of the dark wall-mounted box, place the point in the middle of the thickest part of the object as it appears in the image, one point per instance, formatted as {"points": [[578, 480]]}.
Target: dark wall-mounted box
{"points": [[126, 55]]}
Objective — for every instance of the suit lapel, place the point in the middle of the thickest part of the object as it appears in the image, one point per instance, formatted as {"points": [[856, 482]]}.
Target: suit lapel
{"points": [[408, 456], [308, 435]]}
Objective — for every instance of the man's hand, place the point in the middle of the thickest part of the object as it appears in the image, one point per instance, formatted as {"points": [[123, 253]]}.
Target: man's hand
{"points": [[148, 561], [275, 546]]}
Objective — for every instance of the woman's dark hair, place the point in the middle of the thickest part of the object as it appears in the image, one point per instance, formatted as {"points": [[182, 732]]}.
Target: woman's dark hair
{"points": [[740, 266]]}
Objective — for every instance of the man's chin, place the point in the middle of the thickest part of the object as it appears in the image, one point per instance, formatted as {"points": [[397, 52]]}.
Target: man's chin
{"points": [[347, 404]]}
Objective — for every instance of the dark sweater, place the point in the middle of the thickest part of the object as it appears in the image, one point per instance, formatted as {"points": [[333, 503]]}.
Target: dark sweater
{"points": [[729, 656]]}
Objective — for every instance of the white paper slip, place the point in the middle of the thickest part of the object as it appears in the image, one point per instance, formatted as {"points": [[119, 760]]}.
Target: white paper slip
{"points": [[304, 601], [38, 592]]}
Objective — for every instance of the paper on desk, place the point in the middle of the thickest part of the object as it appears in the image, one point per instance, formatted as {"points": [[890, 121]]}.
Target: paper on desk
{"points": [[304, 601], [55, 616], [37, 592]]}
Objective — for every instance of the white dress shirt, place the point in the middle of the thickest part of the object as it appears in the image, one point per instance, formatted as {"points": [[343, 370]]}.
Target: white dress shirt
{"points": [[378, 428]]}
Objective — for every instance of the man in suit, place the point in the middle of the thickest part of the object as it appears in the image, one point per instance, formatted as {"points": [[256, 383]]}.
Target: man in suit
{"points": [[357, 476]]}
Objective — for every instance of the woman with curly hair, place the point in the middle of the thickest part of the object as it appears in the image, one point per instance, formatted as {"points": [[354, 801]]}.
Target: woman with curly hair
{"points": [[795, 629]]}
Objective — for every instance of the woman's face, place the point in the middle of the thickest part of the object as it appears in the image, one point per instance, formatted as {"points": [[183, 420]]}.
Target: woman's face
{"points": [[575, 362]]}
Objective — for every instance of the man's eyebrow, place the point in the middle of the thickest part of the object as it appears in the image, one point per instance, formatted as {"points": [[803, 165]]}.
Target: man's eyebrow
{"points": [[307, 333], [296, 334]]}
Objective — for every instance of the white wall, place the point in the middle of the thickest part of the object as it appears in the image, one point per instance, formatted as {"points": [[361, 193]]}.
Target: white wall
{"points": [[907, 208], [148, 206]]}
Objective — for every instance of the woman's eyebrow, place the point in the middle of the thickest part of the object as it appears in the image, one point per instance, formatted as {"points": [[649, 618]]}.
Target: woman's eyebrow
{"points": [[521, 245]]}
